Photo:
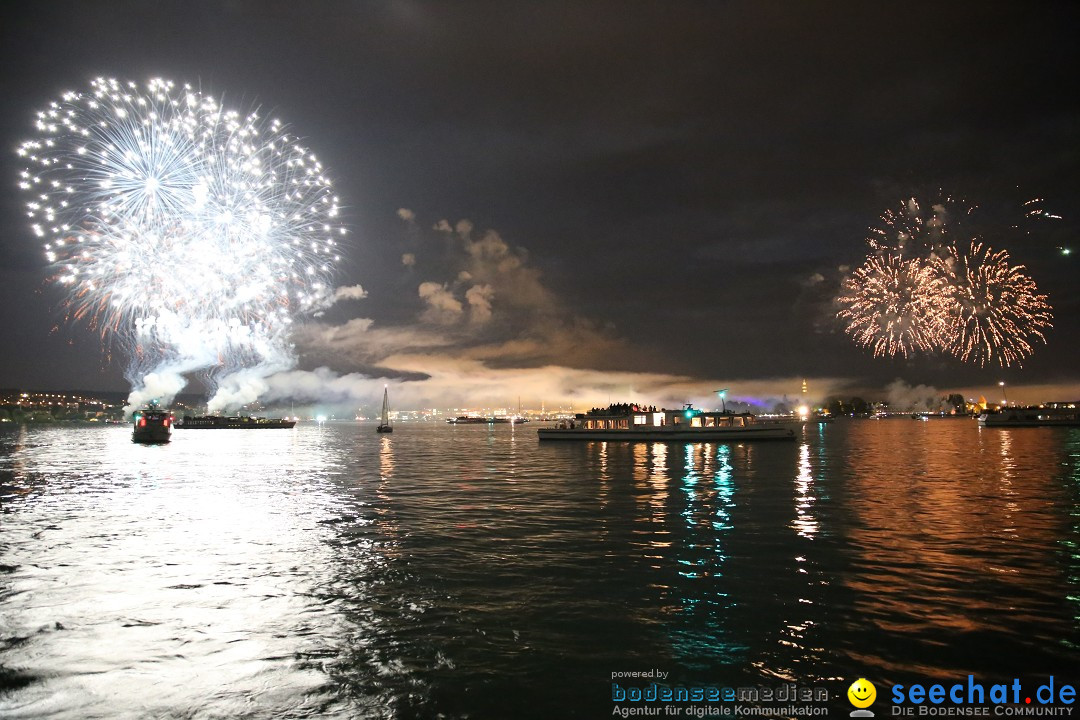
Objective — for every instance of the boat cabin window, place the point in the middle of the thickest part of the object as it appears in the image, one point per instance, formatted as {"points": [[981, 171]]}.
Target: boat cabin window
{"points": [[610, 424], [641, 419], [695, 421], [658, 419], [710, 421]]}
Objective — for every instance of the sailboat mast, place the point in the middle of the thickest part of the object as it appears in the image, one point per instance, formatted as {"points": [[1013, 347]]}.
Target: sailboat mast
{"points": [[384, 423]]}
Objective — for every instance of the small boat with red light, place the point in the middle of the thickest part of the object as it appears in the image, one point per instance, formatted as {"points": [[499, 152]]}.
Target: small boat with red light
{"points": [[152, 425]]}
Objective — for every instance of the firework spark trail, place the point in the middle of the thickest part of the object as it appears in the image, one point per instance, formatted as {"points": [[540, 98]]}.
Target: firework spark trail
{"points": [[995, 310], [893, 306], [916, 229], [188, 235]]}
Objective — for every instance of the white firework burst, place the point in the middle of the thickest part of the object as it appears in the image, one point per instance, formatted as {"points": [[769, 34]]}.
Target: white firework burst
{"points": [[189, 235]]}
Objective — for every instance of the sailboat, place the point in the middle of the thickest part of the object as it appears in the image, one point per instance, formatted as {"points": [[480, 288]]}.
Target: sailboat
{"points": [[384, 422]]}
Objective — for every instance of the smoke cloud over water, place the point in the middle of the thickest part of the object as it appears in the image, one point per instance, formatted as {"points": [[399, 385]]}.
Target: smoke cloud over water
{"points": [[452, 383], [902, 396], [486, 331], [246, 386], [162, 386]]}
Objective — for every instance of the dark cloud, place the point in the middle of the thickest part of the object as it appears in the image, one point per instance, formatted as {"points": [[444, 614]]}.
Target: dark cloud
{"points": [[482, 302], [677, 172]]}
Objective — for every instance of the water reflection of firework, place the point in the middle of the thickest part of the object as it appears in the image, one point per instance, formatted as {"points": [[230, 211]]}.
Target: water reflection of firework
{"points": [[894, 306], [188, 234], [995, 310]]}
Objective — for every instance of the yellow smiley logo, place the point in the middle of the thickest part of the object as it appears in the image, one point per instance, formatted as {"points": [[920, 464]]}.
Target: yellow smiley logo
{"points": [[862, 693]]}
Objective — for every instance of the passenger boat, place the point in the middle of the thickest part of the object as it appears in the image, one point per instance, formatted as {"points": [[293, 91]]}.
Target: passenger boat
{"points": [[152, 426], [1051, 413], [220, 422], [634, 422], [494, 420]]}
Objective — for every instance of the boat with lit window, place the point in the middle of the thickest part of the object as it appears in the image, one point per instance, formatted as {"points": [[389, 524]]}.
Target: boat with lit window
{"points": [[1047, 414], [634, 422], [151, 426], [220, 422], [493, 420]]}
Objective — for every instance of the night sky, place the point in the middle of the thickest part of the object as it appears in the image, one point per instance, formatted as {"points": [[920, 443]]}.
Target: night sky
{"points": [[661, 198]]}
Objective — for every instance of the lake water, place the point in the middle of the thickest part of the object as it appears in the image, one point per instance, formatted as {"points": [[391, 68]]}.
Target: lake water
{"points": [[471, 571]]}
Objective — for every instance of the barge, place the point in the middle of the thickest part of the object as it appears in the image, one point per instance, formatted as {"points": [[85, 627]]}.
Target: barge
{"points": [[220, 422]]}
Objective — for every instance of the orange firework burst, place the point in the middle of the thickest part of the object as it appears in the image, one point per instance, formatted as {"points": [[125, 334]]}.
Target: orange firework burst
{"points": [[995, 310], [933, 286], [894, 306]]}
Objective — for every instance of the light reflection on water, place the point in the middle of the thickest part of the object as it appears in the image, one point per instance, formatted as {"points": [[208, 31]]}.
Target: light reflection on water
{"points": [[971, 528], [468, 570]]}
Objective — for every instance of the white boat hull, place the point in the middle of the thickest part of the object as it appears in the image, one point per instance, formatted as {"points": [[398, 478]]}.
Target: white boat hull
{"points": [[734, 434], [1011, 420]]}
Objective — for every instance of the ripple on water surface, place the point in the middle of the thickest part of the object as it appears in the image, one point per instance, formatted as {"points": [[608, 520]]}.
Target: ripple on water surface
{"points": [[466, 571]]}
